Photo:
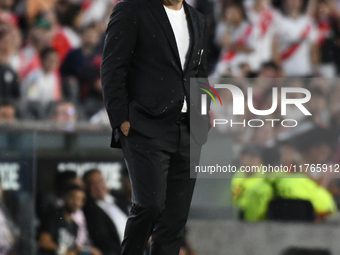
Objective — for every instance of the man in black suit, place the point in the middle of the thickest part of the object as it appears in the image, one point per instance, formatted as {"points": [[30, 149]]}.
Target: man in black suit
{"points": [[105, 215], [152, 49]]}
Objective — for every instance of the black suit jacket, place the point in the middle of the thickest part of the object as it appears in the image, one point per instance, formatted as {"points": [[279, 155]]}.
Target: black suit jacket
{"points": [[141, 73], [101, 228]]}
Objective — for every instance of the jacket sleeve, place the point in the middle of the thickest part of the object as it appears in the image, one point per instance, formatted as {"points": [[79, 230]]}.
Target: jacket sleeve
{"points": [[120, 41]]}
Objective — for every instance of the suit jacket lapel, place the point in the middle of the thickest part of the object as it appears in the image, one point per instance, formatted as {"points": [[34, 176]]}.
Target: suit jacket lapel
{"points": [[192, 23], [159, 13]]}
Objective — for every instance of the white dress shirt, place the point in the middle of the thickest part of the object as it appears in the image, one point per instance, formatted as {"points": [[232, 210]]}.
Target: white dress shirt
{"points": [[179, 24]]}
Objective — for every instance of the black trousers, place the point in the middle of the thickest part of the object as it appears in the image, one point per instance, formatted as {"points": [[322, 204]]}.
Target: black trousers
{"points": [[162, 189]]}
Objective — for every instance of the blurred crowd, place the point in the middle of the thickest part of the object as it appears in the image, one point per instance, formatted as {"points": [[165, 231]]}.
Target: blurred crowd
{"points": [[78, 216], [50, 59], [50, 51], [293, 43], [300, 37]]}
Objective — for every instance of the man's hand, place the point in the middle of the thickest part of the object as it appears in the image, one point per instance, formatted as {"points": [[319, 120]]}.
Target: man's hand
{"points": [[125, 127]]}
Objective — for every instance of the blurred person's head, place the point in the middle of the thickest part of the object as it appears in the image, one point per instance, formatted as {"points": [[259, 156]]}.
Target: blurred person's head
{"points": [[251, 155], [40, 37], [316, 145], [5, 40], [293, 7], [65, 112], [49, 59], [6, 5], [235, 14], [323, 9], [73, 197], [245, 70], [95, 184], [7, 113], [62, 5], [269, 70], [49, 19], [288, 154], [262, 2], [89, 38], [67, 178]]}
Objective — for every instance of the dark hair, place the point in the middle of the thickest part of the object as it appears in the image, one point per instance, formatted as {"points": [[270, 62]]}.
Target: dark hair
{"points": [[6, 103], [240, 6], [303, 6], [270, 64], [87, 175], [52, 108], [315, 137], [62, 180], [45, 52], [90, 26], [69, 188], [252, 149]]}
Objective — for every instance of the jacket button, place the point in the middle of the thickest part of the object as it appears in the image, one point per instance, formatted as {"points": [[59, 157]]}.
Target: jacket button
{"points": [[184, 79]]}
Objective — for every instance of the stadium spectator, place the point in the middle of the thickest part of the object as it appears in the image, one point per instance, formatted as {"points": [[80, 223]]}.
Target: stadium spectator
{"points": [[10, 45], [297, 39], [68, 13], [14, 57], [63, 38], [7, 113], [250, 190], [327, 19], [267, 20], [105, 218], [54, 201], [64, 113], [39, 38], [81, 65], [9, 82], [269, 70], [59, 232], [43, 84], [6, 14], [7, 235], [35, 7], [238, 39]]}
